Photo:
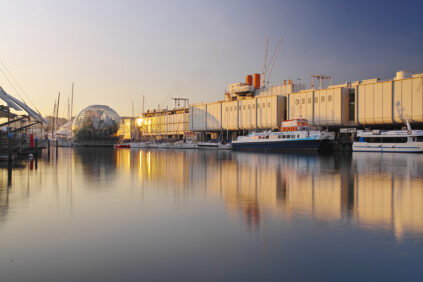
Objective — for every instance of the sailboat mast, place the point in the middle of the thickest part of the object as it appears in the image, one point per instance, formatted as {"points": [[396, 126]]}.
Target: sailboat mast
{"points": [[57, 111], [53, 120], [72, 103]]}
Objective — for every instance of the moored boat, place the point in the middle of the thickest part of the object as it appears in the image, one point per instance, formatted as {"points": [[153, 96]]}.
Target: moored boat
{"points": [[293, 135], [392, 141], [212, 144]]}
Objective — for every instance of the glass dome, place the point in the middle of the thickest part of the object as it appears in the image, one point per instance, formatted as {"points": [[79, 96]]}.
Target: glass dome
{"points": [[96, 120]]}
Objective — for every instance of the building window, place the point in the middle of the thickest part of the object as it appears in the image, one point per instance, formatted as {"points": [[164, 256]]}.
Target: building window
{"points": [[297, 102], [322, 99], [316, 100], [263, 105], [330, 98], [303, 101], [351, 104], [309, 100], [254, 106], [268, 104], [249, 107]]}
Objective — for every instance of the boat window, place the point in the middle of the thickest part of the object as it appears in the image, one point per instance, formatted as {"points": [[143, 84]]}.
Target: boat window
{"points": [[419, 138], [303, 101], [279, 136], [298, 136], [322, 99], [309, 100], [292, 136], [267, 137], [395, 140]]}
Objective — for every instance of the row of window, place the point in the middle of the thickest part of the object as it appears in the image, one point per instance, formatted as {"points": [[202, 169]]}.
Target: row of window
{"points": [[234, 108], [388, 139], [316, 100], [281, 137], [288, 136]]}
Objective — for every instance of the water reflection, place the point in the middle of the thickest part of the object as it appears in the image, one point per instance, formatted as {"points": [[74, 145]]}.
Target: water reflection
{"points": [[373, 191]]}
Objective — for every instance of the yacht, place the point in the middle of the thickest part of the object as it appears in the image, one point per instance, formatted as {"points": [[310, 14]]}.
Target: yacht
{"points": [[293, 135], [395, 141]]}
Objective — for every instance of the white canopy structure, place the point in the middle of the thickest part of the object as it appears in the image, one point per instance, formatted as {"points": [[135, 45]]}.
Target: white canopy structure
{"points": [[17, 105]]}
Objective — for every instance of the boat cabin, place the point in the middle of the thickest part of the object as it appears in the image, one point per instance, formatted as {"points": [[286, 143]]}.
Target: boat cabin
{"points": [[294, 125]]}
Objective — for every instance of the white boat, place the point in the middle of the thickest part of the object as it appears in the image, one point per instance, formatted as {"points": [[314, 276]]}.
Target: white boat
{"points": [[208, 145], [140, 144], [395, 141], [224, 146], [159, 145], [294, 135], [183, 145]]}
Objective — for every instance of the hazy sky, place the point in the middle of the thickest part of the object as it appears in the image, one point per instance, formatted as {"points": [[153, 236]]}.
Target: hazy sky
{"points": [[117, 51]]}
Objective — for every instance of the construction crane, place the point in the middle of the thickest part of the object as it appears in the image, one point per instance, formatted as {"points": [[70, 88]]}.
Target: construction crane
{"points": [[178, 102], [268, 69], [322, 79]]}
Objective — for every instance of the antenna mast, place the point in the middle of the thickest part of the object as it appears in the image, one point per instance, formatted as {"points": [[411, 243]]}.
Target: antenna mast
{"points": [[265, 62]]}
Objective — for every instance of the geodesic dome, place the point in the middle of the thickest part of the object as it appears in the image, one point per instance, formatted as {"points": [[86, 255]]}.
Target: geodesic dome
{"points": [[96, 120]]}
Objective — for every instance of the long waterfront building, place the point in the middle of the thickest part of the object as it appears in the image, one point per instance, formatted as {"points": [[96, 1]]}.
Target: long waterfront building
{"points": [[247, 106]]}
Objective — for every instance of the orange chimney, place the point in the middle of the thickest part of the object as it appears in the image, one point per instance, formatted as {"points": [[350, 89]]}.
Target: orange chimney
{"points": [[249, 80], [256, 80], [284, 82]]}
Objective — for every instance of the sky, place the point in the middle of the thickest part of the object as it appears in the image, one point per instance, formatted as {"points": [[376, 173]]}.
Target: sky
{"points": [[117, 51]]}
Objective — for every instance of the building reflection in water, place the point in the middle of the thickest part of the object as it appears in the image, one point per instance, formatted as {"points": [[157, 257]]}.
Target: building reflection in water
{"points": [[377, 191], [374, 191]]}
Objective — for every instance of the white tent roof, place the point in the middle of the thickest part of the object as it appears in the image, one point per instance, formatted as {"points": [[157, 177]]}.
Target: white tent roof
{"points": [[20, 106]]}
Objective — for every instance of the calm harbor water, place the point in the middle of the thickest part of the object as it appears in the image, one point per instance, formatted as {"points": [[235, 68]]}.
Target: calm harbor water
{"points": [[95, 214]]}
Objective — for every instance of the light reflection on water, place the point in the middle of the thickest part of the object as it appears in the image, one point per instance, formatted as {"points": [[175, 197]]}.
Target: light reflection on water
{"points": [[211, 215]]}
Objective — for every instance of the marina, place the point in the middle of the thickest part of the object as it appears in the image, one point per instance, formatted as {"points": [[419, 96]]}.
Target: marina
{"points": [[211, 141]]}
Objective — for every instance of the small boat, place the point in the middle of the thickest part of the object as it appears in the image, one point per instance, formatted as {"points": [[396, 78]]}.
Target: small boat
{"points": [[183, 145], [123, 145], [293, 135], [212, 144], [139, 144], [393, 141], [224, 145], [159, 145]]}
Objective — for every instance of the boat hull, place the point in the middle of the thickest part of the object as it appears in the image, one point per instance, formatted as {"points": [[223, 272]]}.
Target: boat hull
{"points": [[294, 145], [388, 148]]}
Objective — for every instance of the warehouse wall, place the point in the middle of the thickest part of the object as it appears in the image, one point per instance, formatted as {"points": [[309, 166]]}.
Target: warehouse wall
{"points": [[390, 102], [323, 107]]}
